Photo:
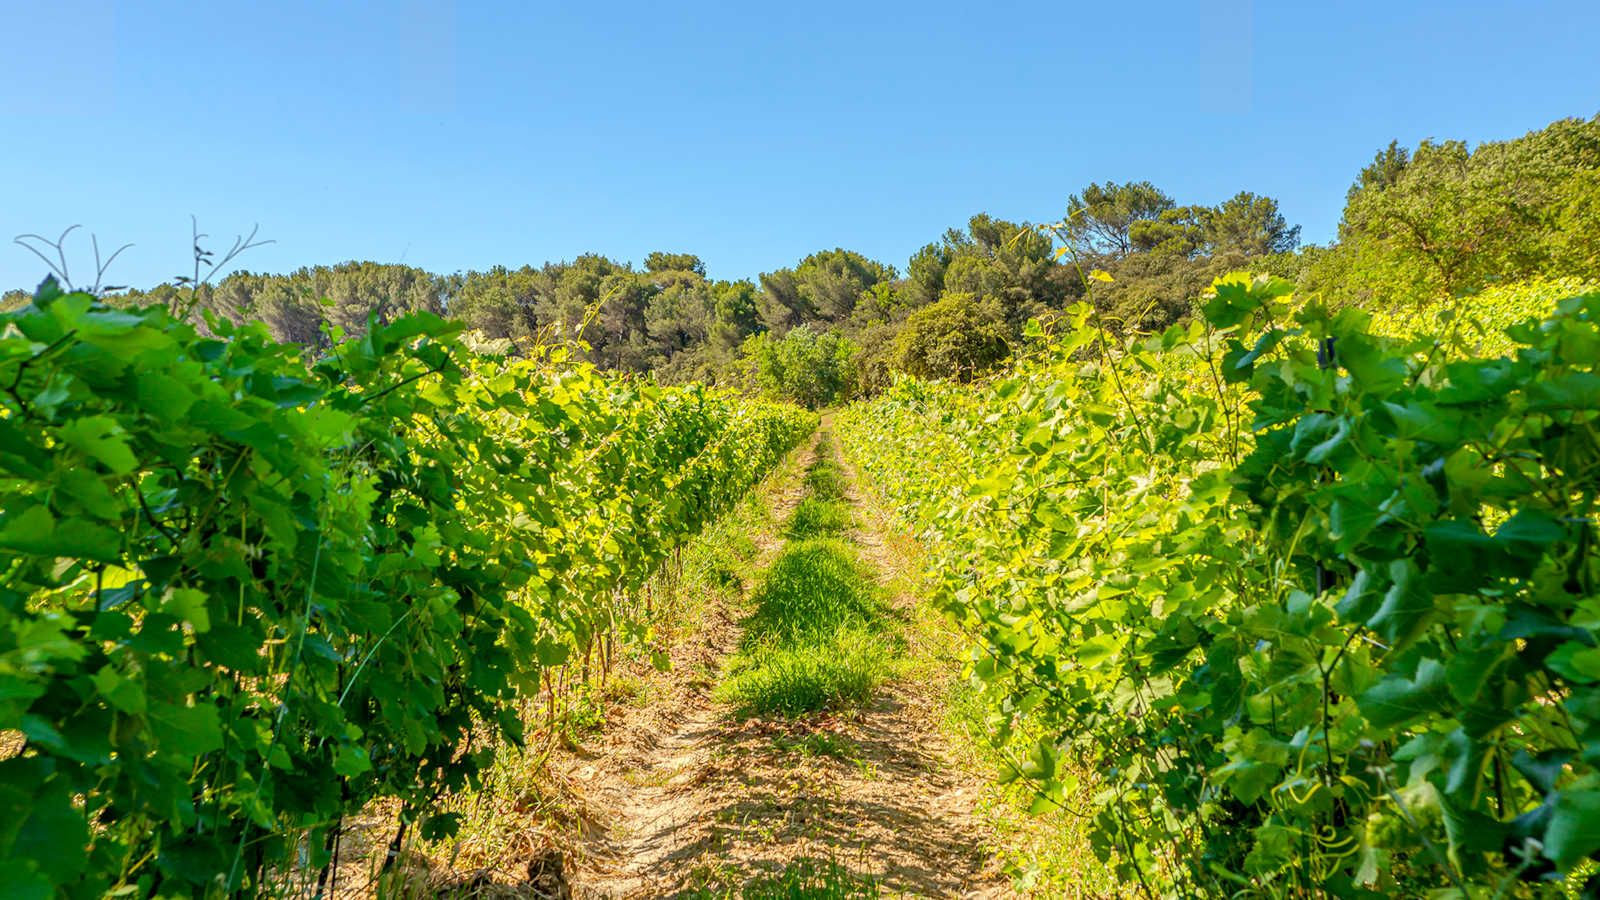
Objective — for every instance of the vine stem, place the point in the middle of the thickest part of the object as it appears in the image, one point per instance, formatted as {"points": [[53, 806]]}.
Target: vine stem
{"points": [[1433, 848], [1105, 342], [283, 709]]}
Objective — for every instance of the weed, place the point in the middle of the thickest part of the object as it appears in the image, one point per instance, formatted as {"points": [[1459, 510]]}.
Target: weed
{"points": [[824, 480], [657, 778], [720, 564], [583, 712], [820, 743], [704, 673], [743, 547], [628, 690], [804, 879]]}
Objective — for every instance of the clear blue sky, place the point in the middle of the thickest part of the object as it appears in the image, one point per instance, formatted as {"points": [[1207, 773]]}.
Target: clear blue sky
{"points": [[457, 135]]}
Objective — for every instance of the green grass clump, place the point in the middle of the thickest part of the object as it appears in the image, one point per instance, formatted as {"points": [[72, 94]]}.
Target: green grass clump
{"points": [[813, 589], [825, 481], [807, 677], [804, 879], [816, 639], [815, 517]]}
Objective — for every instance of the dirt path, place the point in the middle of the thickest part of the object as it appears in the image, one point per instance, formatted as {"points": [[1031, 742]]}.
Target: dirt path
{"points": [[697, 796]]}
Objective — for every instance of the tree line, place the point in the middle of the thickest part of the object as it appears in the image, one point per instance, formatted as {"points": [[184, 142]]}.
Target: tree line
{"points": [[1438, 220]]}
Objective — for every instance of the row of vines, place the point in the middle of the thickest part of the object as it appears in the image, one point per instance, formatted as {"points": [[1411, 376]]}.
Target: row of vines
{"points": [[1287, 601], [245, 593]]}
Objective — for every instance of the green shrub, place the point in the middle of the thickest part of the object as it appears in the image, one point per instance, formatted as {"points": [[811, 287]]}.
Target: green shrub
{"points": [[957, 337]]}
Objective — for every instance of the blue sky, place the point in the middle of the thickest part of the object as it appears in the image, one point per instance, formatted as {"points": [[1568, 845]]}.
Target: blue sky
{"points": [[458, 135]]}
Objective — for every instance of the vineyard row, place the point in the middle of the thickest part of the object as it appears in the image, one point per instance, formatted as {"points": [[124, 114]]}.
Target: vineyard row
{"points": [[1288, 602], [247, 593]]}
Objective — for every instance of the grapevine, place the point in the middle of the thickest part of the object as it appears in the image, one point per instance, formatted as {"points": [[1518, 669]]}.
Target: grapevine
{"points": [[247, 592], [1332, 631]]}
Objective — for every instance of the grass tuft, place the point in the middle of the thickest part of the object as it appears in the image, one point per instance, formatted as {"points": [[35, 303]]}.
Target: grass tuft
{"points": [[807, 677], [813, 588], [815, 517], [825, 481]]}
